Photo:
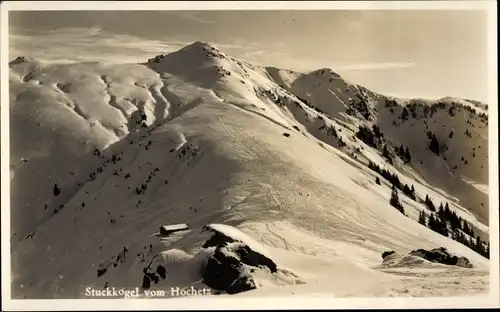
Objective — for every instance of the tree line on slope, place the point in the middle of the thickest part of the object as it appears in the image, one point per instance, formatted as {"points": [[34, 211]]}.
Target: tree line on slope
{"points": [[439, 223], [443, 222], [444, 216], [446, 222], [331, 131], [374, 136], [394, 180], [428, 110]]}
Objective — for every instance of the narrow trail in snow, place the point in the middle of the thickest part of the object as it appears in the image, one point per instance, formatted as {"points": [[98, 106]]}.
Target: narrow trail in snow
{"points": [[285, 242]]}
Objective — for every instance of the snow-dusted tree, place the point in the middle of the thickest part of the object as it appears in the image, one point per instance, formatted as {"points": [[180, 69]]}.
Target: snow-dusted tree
{"points": [[394, 201], [421, 218]]}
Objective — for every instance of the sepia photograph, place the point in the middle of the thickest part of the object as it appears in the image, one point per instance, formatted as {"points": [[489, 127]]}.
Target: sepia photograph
{"points": [[273, 151]]}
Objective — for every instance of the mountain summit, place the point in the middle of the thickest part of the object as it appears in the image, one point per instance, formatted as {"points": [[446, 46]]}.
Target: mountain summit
{"points": [[195, 162], [199, 45], [197, 52]]}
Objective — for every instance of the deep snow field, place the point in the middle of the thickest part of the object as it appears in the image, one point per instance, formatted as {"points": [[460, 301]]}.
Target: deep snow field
{"points": [[200, 138]]}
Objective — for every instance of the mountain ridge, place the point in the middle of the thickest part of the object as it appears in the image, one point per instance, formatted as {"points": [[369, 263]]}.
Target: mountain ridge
{"points": [[244, 145]]}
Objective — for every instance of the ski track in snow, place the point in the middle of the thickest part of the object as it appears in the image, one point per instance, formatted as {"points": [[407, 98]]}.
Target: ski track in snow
{"points": [[252, 112]]}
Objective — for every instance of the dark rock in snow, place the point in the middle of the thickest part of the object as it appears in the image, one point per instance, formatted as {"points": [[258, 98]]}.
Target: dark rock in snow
{"points": [[217, 240], [286, 134], [226, 269], [441, 255], [152, 277], [229, 268], [162, 272], [146, 282], [387, 253], [464, 262]]}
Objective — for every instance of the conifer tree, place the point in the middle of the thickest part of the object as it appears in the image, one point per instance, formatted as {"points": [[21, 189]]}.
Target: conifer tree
{"points": [[394, 201], [447, 210], [421, 218], [441, 211], [57, 190], [407, 154], [434, 145], [432, 222], [429, 203], [385, 152], [465, 227], [443, 228], [479, 244]]}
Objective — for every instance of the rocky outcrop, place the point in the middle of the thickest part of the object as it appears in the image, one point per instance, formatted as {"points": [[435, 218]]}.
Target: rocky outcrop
{"points": [[217, 239], [464, 262], [441, 255], [387, 253], [231, 266]]}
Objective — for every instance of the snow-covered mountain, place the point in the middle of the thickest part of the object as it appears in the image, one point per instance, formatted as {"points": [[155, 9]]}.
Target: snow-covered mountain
{"points": [[103, 155]]}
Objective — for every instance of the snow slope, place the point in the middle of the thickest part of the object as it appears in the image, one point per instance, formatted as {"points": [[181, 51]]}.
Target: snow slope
{"points": [[197, 137]]}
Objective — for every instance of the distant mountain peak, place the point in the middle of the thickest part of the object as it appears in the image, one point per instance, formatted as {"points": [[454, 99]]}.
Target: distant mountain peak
{"points": [[200, 45], [203, 49], [197, 50], [325, 72]]}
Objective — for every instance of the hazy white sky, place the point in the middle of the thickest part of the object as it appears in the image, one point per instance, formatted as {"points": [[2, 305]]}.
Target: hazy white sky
{"points": [[408, 53]]}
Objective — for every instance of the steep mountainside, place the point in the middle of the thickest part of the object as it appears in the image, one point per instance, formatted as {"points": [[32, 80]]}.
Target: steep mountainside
{"points": [[102, 155]]}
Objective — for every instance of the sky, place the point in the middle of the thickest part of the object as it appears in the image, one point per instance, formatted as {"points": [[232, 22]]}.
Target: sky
{"points": [[408, 53]]}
